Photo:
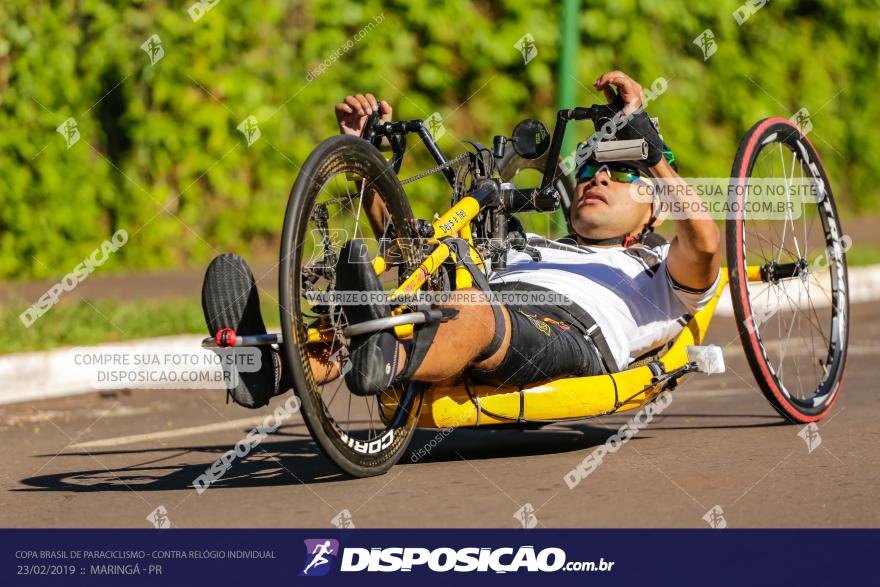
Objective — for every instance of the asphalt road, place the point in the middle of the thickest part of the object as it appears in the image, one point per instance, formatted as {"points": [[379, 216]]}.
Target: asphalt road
{"points": [[718, 444]]}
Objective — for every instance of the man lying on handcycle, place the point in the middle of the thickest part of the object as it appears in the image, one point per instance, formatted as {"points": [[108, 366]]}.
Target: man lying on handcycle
{"points": [[631, 292]]}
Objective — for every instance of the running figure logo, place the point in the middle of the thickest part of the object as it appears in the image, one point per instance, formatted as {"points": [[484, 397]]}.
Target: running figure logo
{"points": [[435, 125], [810, 434], [153, 48], [320, 553], [526, 516], [69, 130], [706, 42], [803, 121], [715, 518], [250, 129], [527, 47]]}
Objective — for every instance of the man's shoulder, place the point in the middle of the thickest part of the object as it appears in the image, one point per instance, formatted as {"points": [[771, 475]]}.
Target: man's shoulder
{"points": [[654, 240], [650, 257], [650, 252]]}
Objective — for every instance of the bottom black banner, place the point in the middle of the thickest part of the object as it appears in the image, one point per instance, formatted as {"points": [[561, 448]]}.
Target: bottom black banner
{"points": [[436, 557]]}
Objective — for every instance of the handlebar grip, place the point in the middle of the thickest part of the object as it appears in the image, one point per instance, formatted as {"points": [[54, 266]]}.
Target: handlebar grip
{"points": [[530, 200], [581, 113], [633, 150], [386, 129], [598, 113], [369, 131]]}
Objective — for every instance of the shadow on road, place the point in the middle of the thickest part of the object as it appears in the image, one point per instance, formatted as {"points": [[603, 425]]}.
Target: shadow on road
{"points": [[294, 458], [273, 463], [774, 421]]}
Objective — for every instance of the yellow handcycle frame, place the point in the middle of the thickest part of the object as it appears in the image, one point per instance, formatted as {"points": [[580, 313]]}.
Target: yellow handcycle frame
{"points": [[454, 404]]}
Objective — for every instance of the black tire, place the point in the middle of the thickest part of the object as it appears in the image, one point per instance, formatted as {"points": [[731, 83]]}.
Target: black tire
{"points": [[794, 271], [361, 453]]}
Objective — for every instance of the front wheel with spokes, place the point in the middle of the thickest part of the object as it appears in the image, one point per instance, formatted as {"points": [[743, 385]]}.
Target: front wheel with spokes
{"points": [[788, 273], [345, 190]]}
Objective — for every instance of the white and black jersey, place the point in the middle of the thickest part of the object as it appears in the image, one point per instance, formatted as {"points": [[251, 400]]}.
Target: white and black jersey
{"points": [[627, 291]]}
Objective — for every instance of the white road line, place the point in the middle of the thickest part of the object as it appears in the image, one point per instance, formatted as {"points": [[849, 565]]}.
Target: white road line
{"points": [[190, 431]]}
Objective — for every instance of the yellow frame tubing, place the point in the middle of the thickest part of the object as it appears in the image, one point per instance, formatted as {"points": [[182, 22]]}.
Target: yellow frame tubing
{"points": [[456, 218]]}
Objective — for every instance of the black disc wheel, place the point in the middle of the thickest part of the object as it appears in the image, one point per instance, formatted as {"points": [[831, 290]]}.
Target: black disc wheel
{"points": [[344, 190]]}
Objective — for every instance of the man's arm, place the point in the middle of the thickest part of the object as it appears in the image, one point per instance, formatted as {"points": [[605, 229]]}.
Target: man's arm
{"points": [[695, 252], [351, 115]]}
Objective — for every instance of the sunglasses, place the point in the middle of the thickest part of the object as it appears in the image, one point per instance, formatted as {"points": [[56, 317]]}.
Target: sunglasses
{"points": [[620, 173]]}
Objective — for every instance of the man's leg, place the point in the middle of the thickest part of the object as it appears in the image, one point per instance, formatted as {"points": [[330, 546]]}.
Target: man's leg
{"points": [[378, 359], [538, 344], [458, 342], [455, 346], [544, 346]]}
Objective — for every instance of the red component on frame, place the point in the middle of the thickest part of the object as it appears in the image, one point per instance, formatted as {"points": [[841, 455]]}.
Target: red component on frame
{"points": [[225, 337]]}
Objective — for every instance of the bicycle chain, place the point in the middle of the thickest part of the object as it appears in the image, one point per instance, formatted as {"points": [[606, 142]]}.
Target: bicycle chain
{"points": [[449, 163]]}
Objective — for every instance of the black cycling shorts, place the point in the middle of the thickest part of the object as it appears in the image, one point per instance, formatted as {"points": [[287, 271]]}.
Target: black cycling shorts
{"points": [[544, 345]]}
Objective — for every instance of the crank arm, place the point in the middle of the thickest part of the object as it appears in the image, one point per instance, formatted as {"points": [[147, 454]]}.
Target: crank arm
{"points": [[371, 326]]}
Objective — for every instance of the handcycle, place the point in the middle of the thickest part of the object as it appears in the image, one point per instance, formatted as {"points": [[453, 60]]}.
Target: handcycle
{"points": [[788, 284]]}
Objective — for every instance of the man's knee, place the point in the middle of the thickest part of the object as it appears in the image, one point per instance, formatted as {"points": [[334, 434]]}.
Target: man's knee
{"points": [[460, 341], [487, 319], [475, 310]]}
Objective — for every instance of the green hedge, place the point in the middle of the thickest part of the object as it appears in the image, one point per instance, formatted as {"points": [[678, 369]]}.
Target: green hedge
{"points": [[160, 155]]}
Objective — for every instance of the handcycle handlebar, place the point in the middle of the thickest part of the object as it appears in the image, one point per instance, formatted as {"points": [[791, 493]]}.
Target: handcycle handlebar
{"points": [[530, 200], [373, 128], [374, 131], [543, 199], [488, 193], [581, 113], [598, 113]]}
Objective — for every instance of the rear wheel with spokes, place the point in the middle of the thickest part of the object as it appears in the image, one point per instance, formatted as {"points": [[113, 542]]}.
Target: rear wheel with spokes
{"points": [[788, 273], [344, 190]]}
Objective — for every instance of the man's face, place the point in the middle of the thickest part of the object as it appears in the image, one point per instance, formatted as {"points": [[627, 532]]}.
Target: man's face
{"points": [[605, 208]]}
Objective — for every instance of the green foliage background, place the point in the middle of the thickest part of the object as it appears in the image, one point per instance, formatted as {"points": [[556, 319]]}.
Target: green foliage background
{"points": [[161, 157]]}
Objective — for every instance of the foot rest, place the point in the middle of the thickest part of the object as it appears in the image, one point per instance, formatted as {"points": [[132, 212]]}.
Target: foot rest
{"points": [[708, 359]]}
